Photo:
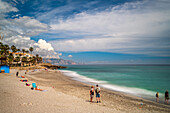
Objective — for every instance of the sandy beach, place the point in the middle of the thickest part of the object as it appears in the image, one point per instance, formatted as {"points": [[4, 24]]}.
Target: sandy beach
{"points": [[64, 95]]}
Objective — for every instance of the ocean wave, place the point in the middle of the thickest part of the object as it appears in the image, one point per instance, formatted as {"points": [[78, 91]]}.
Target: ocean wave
{"points": [[104, 84], [80, 78]]}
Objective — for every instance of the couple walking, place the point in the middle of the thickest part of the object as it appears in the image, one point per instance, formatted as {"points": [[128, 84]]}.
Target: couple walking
{"points": [[97, 91], [166, 97]]}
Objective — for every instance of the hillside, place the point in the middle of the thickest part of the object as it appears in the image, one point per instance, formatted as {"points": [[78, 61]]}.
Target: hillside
{"points": [[59, 61]]}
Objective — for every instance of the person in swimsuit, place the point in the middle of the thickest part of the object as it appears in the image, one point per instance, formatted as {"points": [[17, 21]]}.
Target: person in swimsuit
{"points": [[157, 97], [91, 93], [166, 97], [17, 74]]}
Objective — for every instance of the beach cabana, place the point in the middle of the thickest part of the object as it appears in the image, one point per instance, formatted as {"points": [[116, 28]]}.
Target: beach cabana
{"points": [[4, 69]]}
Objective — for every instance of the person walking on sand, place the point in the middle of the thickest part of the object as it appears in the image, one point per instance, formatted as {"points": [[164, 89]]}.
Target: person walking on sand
{"points": [[157, 97], [166, 97], [97, 91], [91, 93], [17, 74]]}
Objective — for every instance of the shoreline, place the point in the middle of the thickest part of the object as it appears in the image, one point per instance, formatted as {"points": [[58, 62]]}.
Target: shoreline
{"points": [[114, 88], [64, 95], [104, 86], [109, 98]]}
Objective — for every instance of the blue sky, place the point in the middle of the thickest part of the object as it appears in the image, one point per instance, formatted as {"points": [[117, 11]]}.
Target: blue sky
{"points": [[90, 31]]}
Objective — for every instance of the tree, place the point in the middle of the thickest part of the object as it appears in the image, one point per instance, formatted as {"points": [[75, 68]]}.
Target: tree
{"points": [[1, 46], [27, 51], [5, 57], [6, 52], [37, 58], [6, 48], [31, 49], [24, 59], [10, 58], [2, 53], [13, 48], [33, 60], [30, 60], [20, 54], [1, 49], [23, 50], [40, 59], [18, 50], [17, 59]]}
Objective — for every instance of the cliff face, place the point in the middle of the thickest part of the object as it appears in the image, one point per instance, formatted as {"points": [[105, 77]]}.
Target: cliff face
{"points": [[59, 61]]}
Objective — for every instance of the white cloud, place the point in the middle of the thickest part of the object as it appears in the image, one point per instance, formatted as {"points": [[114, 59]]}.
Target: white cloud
{"points": [[138, 28], [51, 15], [19, 41], [5, 7], [70, 56], [17, 31], [42, 48], [42, 44], [28, 26], [116, 23], [98, 44], [24, 26], [58, 55]]}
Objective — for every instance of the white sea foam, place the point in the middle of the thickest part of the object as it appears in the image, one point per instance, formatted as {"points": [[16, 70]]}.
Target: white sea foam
{"points": [[81, 78], [130, 90]]}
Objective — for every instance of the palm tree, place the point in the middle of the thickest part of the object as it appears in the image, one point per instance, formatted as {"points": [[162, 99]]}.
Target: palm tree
{"points": [[6, 48], [13, 48], [23, 50], [24, 59], [31, 49], [6, 51], [10, 58], [40, 59], [17, 59], [18, 50], [37, 58], [2, 53], [33, 60], [20, 54], [30, 60], [1, 48], [27, 51]]}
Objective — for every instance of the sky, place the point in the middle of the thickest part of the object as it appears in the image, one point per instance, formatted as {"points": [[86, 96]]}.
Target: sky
{"points": [[90, 31]]}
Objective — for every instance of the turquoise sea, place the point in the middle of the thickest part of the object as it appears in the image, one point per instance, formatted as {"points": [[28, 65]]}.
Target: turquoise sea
{"points": [[139, 80]]}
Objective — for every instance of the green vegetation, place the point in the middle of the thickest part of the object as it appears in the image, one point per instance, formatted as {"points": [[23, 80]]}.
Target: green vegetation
{"points": [[14, 57]]}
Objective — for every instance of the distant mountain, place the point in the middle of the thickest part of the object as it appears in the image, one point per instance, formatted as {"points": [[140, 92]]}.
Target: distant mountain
{"points": [[55, 61]]}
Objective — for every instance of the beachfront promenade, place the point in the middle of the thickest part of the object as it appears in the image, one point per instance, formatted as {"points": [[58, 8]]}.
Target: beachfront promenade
{"points": [[16, 97]]}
